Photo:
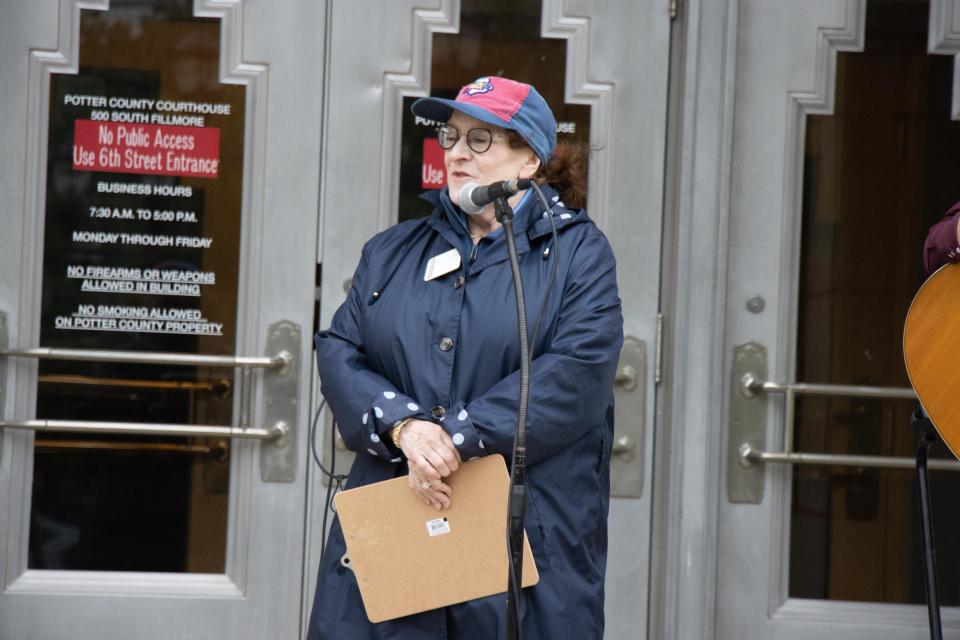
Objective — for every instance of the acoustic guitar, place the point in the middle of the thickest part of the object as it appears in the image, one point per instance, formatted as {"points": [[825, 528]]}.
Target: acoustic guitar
{"points": [[931, 351]]}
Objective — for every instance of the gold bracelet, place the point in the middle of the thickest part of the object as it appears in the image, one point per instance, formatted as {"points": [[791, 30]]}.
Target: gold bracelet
{"points": [[395, 432]]}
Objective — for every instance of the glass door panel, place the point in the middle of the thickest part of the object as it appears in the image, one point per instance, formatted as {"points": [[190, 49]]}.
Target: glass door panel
{"points": [[141, 254], [878, 173]]}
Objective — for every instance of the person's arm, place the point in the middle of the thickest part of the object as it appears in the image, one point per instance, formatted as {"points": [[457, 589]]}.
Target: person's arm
{"points": [[943, 241], [367, 406], [570, 384]]}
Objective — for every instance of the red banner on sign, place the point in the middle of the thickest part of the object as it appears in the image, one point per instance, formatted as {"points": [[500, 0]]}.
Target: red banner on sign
{"points": [[146, 148], [433, 174]]}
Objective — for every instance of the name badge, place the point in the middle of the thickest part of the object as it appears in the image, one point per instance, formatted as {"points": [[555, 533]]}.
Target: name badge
{"points": [[442, 264]]}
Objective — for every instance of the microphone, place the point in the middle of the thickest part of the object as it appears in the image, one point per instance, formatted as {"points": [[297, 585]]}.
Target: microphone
{"points": [[473, 197]]}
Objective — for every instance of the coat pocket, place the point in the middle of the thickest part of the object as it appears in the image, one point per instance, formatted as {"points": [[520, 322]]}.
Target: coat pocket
{"points": [[536, 534]]}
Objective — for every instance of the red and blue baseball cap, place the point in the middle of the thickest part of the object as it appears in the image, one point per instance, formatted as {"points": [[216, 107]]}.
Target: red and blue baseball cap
{"points": [[503, 103]]}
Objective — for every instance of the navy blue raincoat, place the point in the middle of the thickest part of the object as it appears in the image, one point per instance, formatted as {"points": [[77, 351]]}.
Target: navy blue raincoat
{"points": [[447, 351]]}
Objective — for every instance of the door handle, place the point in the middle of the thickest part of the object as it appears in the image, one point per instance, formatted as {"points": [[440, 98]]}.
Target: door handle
{"points": [[274, 432], [281, 388], [277, 361]]}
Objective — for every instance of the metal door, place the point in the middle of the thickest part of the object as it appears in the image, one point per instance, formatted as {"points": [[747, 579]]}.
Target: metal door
{"points": [[780, 70], [159, 211], [614, 65]]}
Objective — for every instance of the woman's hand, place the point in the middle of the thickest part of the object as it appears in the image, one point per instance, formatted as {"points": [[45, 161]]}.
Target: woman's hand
{"points": [[431, 456]]}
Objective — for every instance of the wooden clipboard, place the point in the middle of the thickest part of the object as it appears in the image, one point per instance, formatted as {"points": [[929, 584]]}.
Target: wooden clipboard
{"points": [[408, 557]]}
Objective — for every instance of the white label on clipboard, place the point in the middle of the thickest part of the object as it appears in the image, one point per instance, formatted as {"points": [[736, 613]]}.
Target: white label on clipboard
{"points": [[438, 527]]}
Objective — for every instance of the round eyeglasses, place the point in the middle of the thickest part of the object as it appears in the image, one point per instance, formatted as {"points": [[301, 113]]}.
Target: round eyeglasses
{"points": [[479, 139]]}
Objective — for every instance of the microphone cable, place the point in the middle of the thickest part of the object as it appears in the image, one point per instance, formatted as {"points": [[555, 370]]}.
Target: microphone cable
{"points": [[517, 494], [553, 267], [338, 479]]}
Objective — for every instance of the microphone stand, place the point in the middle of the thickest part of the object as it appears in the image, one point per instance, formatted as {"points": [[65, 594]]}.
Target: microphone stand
{"points": [[517, 499], [928, 435]]}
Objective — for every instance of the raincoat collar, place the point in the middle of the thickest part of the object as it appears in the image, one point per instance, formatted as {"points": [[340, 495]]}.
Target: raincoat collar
{"points": [[447, 220], [529, 224]]}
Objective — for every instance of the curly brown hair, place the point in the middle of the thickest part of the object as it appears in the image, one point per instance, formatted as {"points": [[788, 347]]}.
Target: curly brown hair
{"points": [[566, 170]]}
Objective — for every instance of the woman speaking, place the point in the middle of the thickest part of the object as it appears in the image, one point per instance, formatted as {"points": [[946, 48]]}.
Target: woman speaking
{"points": [[421, 366]]}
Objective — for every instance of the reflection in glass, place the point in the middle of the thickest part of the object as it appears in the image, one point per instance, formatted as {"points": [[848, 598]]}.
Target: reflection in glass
{"points": [[878, 173], [128, 503]]}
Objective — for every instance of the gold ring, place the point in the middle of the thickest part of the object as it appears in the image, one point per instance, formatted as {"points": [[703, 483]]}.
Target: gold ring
{"points": [[424, 485]]}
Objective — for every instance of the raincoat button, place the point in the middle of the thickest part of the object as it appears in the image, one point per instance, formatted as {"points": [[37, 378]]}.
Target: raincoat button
{"points": [[438, 412], [446, 344], [458, 282]]}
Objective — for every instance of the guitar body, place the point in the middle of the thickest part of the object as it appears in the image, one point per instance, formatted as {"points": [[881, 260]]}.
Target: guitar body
{"points": [[931, 351]]}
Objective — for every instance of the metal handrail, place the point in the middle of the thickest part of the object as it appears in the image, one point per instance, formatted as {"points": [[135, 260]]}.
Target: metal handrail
{"points": [[245, 364], [221, 387], [219, 451], [148, 428], [151, 357], [750, 386], [750, 456]]}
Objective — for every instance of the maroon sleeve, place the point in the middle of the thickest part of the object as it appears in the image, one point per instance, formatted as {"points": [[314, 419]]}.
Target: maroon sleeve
{"points": [[941, 246]]}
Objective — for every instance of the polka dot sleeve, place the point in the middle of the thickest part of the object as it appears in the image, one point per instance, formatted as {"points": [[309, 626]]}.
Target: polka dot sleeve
{"points": [[459, 425], [386, 409]]}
